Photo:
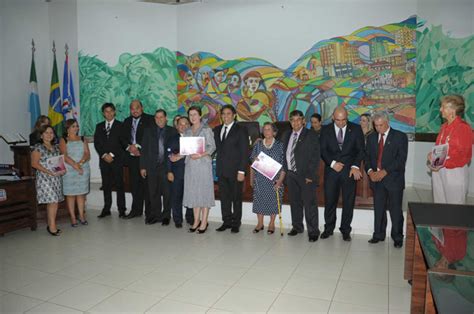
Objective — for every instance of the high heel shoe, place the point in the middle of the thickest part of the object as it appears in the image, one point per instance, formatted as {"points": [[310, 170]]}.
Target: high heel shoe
{"points": [[83, 222], [202, 231], [52, 233], [270, 231], [194, 229], [257, 230]]}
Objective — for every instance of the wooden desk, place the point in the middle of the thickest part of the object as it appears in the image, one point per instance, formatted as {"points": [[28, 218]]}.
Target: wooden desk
{"points": [[19, 209], [428, 214]]}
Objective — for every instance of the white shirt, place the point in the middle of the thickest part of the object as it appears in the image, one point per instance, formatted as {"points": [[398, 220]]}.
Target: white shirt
{"points": [[336, 129], [229, 126], [110, 123], [385, 135]]}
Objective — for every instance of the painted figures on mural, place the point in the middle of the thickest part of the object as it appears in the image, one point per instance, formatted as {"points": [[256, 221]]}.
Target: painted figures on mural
{"points": [[370, 70]]}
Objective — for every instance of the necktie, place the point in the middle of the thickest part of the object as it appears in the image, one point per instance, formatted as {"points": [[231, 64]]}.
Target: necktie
{"points": [[134, 131], [380, 152], [292, 152], [225, 134], [107, 129], [340, 138], [161, 148]]}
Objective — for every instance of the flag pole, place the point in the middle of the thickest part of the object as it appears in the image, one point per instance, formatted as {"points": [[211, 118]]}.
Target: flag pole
{"points": [[33, 49]]}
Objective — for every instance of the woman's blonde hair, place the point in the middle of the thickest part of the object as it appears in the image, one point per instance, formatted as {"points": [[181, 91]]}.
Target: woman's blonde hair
{"points": [[456, 102]]}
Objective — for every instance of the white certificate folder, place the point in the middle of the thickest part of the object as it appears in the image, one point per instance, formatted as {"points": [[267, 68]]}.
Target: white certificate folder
{"points": [[266, 165], [192, 145]]}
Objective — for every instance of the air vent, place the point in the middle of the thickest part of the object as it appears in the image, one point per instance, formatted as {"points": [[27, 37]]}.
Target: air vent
{"points": [[172, 2]]}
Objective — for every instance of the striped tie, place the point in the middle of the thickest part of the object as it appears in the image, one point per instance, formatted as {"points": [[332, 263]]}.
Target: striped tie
{"points": [[107, 129], [292, 152]]}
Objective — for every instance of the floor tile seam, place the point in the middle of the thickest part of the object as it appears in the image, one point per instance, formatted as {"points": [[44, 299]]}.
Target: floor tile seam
{"points": [[369, 306], [339, 278], [289, 277], [47, 300], [110, 296], [235, 283]]}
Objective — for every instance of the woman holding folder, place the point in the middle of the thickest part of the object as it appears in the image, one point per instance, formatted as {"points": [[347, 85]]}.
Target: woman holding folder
{"points": [[264, 190], [198, 179], [451, 180], [49, 187]]}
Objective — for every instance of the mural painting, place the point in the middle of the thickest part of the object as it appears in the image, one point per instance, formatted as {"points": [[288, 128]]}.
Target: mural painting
{"points": [[369, 70]]}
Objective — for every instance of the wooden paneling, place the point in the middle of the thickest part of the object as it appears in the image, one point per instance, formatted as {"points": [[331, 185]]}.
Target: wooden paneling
{"points": [[19, 209]]}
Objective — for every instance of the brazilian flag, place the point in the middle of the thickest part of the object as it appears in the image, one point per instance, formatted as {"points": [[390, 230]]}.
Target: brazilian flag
{"points": [[55, 106]]}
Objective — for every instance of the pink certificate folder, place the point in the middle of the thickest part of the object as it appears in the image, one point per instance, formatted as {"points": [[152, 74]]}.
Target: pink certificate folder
{"points": [[266, 165], [56, 164], [192, 145]]}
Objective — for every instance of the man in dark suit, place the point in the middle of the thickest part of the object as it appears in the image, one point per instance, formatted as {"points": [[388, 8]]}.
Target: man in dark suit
{"points": [[301, 164], [153, 167], [108, 144], [133, 129], [386, 155], [232, 145], [342, 150], [175, 168]]}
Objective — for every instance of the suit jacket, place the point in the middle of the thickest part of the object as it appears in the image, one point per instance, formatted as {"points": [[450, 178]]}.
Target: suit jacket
{"points": [[307, 154], [177, 168], [394, 158], [149, 153], [231, 154], [146, 120], [112, 144], [353, 147]]}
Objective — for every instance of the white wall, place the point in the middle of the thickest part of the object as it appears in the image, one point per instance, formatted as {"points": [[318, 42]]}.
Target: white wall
{"points": [[278, 31], [456, 16], [110, 28], [21, 21]]}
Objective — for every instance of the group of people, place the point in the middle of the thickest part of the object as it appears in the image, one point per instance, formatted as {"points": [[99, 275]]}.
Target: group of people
{"points": [[73, 182], [163, 181]]}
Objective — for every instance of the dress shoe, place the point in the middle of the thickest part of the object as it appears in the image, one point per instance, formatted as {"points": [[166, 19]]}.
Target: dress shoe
{"points": [[374, 240], [201, 231], [346, 237], [235, 229], [151, 221], [166, 221], [132, 215], [223, 228], [313, 238], [326, 234], [55, 233], [178, 225], [293, 232], [103, 214], [194, 229], [398, 244], [122, 215]]}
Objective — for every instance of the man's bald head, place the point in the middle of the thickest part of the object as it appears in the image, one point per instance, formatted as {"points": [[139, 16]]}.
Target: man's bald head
{"points": [[340, 117]]}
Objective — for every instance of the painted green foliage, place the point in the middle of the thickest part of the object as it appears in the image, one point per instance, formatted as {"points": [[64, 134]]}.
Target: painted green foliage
{"points": [[445, 66], [150, 77]]}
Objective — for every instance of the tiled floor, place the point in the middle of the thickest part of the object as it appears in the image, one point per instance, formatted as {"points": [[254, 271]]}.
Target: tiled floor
{"points": [[117, 265]]}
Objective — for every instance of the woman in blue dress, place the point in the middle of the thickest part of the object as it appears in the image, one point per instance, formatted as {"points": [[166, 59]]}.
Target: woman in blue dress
{"points": [[76, 180], [264, 190]]}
